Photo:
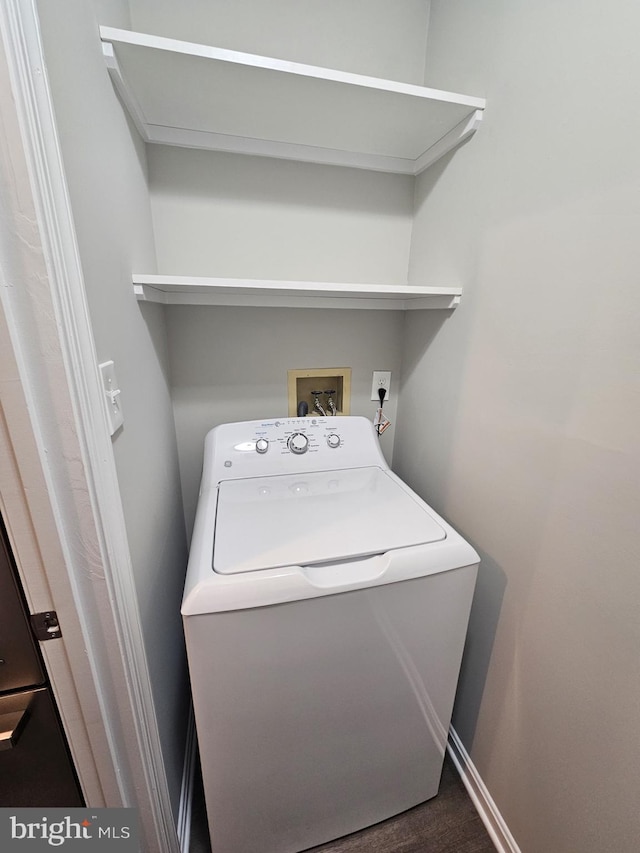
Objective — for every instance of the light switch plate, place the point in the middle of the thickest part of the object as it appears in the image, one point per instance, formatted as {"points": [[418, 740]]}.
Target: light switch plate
{"points": [[111, 396]]}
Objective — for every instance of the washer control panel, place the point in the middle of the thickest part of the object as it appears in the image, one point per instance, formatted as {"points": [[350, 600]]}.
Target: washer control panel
{"points": [[296, 436], [289, 445]]}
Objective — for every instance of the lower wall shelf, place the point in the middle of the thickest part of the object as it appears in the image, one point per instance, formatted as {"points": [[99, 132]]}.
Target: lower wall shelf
{"points": [[194, 290]]}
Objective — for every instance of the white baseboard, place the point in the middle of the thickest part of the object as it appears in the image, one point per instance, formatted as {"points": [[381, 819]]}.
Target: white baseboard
{"points": [[186, 792], [480, 796]]}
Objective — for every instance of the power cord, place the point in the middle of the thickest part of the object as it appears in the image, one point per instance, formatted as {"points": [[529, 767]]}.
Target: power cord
{"points": [[381, 422]]}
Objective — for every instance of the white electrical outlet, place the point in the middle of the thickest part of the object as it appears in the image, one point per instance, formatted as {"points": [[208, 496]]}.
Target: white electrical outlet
{"points": [[381, 379]]}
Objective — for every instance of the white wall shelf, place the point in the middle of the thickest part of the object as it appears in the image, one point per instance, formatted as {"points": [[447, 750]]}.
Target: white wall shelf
{"points": [[193, 290], [192, 95]]}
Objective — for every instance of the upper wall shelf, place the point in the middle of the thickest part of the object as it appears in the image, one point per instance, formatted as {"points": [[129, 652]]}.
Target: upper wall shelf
{"points": [[196, 96], [193, 290]]}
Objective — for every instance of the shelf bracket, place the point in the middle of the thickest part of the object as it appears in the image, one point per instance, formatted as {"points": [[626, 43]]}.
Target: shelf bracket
{"points": [[126, 95], [449, 141]]}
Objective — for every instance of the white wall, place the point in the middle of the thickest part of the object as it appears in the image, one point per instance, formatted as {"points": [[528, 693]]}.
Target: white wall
{"points": [[231, 215], [376, 37], [230, 364], [228, 215], [519, 417], [253, 217], [105, 166]]}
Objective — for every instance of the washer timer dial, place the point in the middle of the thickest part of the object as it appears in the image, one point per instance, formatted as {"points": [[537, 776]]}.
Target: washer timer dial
{"points": [[298, 443]]}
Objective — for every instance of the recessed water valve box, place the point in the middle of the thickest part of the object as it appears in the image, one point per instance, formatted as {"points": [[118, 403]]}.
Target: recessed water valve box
{"points": [[325, 389]]}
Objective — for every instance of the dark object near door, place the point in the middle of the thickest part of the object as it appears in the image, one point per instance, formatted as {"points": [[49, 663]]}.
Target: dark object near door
{"points": [[35, 765]]}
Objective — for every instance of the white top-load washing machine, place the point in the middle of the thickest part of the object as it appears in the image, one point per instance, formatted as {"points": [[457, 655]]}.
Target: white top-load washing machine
{"points": [[325, 613]]}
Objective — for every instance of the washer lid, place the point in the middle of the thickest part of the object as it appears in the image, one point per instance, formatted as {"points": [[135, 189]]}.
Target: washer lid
{"points": [[301, 520]]}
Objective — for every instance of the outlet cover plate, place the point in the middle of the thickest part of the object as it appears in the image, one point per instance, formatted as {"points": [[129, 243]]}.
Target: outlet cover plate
{"points": [[381, 379]]}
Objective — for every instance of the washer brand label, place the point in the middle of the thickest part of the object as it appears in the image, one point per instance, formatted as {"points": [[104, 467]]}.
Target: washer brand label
{"points": [[69, 829]]}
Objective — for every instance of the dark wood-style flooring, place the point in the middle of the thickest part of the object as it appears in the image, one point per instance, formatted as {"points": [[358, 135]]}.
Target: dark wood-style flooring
{"points": [[448, 823]]}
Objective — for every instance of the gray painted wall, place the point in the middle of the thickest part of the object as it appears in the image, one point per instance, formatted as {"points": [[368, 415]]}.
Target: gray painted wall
{"points": [[105, 165], [519, 412], [218, 216], [231, 215], [253, 217], [376, 37], [519, 416], [230, 364]]}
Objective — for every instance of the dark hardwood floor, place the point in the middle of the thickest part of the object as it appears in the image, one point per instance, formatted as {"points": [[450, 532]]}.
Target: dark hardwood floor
{"points": [[448, 823]]}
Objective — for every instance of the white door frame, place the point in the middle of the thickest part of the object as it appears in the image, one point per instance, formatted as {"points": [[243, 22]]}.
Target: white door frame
{"points": [[58, 486]]}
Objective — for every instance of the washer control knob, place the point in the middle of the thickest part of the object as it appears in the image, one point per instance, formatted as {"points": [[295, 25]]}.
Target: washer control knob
{"points": [[262, 445], [333, 440], [298, 443]]}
